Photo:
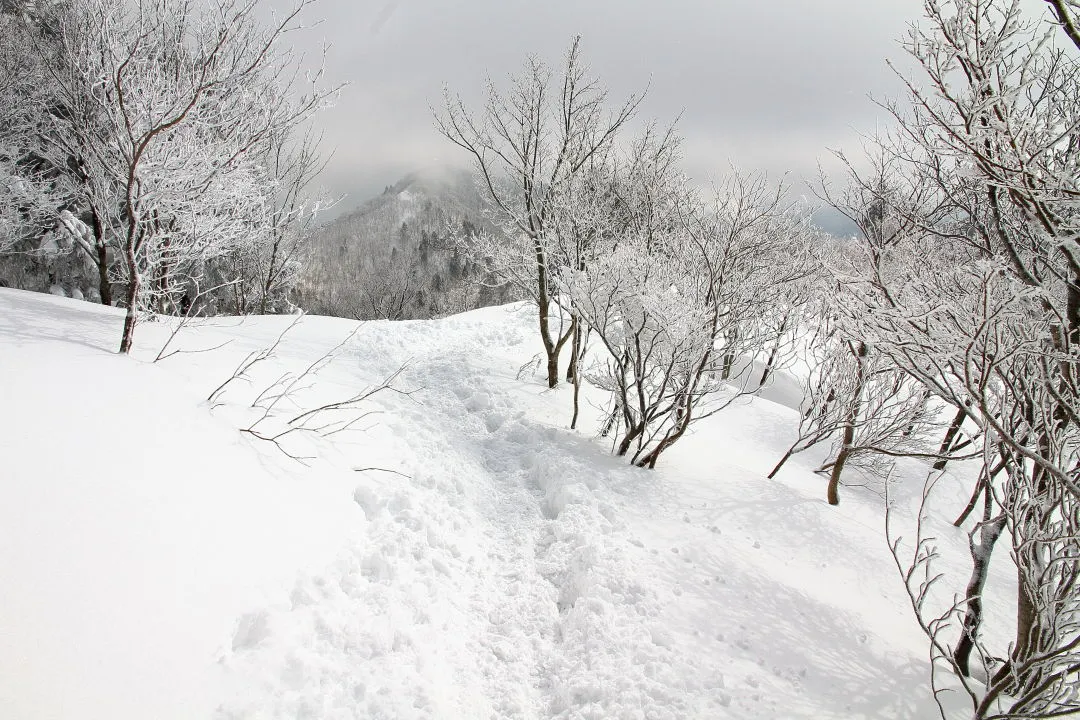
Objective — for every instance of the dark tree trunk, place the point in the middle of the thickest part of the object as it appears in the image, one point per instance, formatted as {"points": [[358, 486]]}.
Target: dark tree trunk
{"points": [[962, 518], [728, 361], [271, 274], [728, 364], [1027, 620], [609, 424], [767, 372], [575, 346], [787, 456], [552, 368], [985, 485], [838, 466], [649, 460], [632, 433], [102, 259], [543, 302], [104, 286], [950, 438], [770, 364]]}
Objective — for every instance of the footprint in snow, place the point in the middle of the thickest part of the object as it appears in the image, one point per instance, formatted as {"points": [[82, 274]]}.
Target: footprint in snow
{"points": [[251, 629]]}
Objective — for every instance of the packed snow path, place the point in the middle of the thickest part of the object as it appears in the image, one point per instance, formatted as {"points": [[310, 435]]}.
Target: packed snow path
{"points": [[495, 582], [490, 564]]}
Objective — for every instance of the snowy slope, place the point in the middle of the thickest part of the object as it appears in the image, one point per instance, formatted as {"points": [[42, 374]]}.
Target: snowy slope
{"points": [[156, 562], [135, 526]]}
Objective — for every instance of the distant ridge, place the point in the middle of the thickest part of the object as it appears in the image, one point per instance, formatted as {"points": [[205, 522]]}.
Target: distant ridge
{"points": [[395, 257]]}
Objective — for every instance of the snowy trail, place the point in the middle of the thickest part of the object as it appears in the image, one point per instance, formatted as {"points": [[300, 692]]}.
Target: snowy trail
{"points": [[497, 555], [433, 604]]}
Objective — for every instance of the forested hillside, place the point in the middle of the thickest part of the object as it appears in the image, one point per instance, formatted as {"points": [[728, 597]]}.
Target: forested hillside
{"points": [[403, 254]]}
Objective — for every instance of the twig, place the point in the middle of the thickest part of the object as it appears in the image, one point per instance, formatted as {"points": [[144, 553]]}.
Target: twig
{"points": [[385, 470], [251, 360], [186, 318]]}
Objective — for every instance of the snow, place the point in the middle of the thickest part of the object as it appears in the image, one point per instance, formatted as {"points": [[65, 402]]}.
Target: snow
{"points": [[488, 563]]}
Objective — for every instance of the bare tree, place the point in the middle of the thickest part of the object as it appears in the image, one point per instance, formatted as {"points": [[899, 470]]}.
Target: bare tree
{"points": [[1041, 685], [527, 145], [636, 192], [268, 265]]}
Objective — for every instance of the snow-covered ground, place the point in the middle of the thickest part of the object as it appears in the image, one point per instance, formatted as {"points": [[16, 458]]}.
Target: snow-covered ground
{"points": [[485, 562]]}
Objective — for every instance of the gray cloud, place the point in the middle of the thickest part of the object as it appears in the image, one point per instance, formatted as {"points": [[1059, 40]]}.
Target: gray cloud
{"points": [[769, 85], [383, 16]]}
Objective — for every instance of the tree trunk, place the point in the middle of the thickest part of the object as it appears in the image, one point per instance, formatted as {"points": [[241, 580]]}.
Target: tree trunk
{"points": [[572, 374], [728, 363], [1027, 622], [104, 286], [989, 532], [649, 460], [552, 369], [848, 440], [553, 356], [271, 273], [551, 348], [632, 434], [131, 297], [575, 345], [543, 303], [577, 401], [838, 466], [767, 372], [950, 438], [962, 518], [102, 259], [610, 423], [787, 456], [770, 364], [985, 484]]}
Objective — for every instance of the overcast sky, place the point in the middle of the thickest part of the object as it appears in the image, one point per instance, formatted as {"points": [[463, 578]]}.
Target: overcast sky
{"points": [[763, 84]]}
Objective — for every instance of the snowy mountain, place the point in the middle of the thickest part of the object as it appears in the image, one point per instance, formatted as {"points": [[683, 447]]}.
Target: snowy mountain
{"points": [[395, 256], [179, 545]]}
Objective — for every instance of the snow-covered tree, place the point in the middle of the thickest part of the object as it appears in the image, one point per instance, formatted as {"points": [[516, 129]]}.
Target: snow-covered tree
{"points": [[185, 99], [261, 270], [528, 144], [680, 308], [979, 300], [29, 196]]}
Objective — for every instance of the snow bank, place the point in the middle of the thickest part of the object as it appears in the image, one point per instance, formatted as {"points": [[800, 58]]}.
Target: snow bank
{"points": [[137, 528]]}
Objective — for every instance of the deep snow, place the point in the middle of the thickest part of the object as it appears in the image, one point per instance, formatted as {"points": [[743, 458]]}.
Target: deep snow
{"points": [[155, 562]]}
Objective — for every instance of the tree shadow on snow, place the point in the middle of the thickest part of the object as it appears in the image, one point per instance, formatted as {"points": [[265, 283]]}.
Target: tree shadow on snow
{"points": [[813, 654], [28, 318]]}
